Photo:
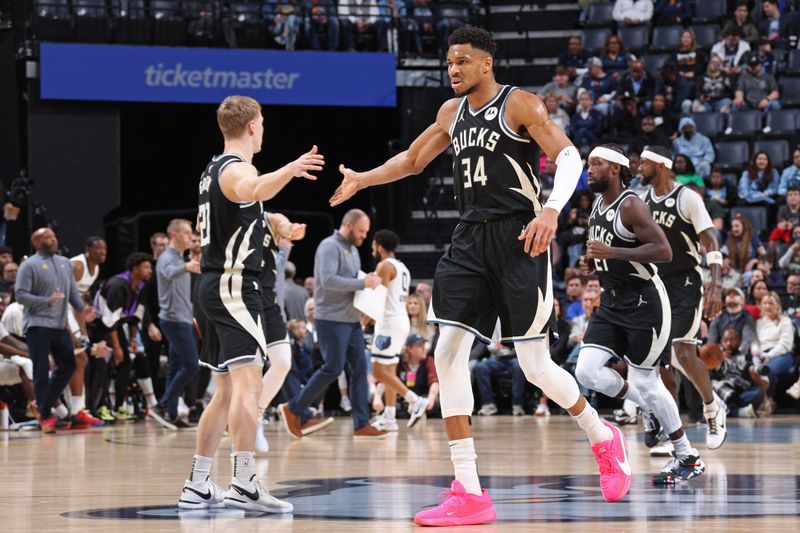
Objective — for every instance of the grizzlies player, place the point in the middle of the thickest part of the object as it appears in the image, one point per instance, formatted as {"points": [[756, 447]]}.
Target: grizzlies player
{"points": [[391, 332], [682, 215], [499, 263], [634, 319], [231, 223]]}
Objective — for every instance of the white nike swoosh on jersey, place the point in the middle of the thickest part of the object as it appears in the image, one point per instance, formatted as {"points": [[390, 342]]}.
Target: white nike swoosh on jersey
{"points": [[625, 466]]}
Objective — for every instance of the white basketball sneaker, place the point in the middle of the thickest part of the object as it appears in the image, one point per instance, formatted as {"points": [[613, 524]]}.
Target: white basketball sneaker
{"points": [[262, 446], [717, 429], [385, 424], [253, 497], [201, 495], [417, 411]]}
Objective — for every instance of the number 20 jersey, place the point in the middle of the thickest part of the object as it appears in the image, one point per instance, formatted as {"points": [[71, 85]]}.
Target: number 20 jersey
{"points": [[231, 233], [494, 168]]}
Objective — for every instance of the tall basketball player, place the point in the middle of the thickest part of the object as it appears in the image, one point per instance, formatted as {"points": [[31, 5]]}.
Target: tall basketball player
{"points": [[231, 221], [391, 331], [633, 320], [682, 215], [499, 262]]}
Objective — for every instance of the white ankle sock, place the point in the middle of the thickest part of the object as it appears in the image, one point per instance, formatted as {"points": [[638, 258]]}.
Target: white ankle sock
{"points": [[462, 453], [244, 466], [411, 397], [682, 447], [76, 404], [201, 468], [593, 426], [710, 410], [390, 412]]}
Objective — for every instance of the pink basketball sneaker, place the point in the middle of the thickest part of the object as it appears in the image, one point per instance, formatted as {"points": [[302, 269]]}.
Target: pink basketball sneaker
{"points": [[458, 509], [615, 470]]}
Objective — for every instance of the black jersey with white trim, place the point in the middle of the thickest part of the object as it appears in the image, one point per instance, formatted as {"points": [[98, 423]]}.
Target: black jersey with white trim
{"points": [[231, 233], [494, 168], [270, 255], [605, 225], [681, 234]]}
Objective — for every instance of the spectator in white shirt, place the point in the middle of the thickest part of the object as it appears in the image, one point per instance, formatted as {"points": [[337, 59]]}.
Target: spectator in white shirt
{"points": [[633, 12]]}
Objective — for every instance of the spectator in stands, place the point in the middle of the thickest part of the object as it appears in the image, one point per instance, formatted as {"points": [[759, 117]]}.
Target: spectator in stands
{"points": [[614, 57], [563, 89], [773, 349], [759, 183], [294, 296], [678, 91], [742, 245], [586, 125], [417, 311], [633, 12], [574, 57], [672, 12], [780, 237], [763, 51], [573, 228], [579, 324], [663, 117], [399, 27], [732, 49], [648, 136], [715, 89], [575, 287], [694, 145], [685, 172], [599, 84], [637, 84], [426, 291], [758, 289], [556, 113], [501, 359], [691, 59], [283, 22], [774, 26], [308, 285], [9, 277], [321, 20], [736, 381], [421, 24], [790, 259], [359, 19], [741, 20], [719, 191], [626, 122], [734, 316], [790, 302], [418, 371], [790, 178], [755, 89]]}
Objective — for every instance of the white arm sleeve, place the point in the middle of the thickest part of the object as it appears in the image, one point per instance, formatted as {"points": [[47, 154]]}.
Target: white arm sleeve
{"points": [[693, 209], [568, 170]]}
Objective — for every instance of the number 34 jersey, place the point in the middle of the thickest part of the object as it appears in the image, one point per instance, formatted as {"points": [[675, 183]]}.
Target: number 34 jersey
{"points": [[231, 233], [494, 168]]}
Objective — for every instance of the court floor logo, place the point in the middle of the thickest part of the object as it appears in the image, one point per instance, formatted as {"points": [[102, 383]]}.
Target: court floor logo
{"points": [[516, 498]]}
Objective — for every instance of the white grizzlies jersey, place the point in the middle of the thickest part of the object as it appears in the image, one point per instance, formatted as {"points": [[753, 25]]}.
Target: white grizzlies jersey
{"points": [[397, 294], [88, 278]]}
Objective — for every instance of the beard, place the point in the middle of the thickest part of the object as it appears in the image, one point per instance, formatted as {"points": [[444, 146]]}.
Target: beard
{"points": [[376, 258], [598, 186], [469, 90]]}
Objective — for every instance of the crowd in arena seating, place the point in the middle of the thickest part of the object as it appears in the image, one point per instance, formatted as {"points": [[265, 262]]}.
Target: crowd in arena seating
{"points": [[407, 27]]}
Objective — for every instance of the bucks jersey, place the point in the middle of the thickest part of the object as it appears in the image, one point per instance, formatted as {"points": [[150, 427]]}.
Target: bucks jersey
{"points": [[270, 254], [605, 225], [681, 234], [231, 233], [493, 166]]}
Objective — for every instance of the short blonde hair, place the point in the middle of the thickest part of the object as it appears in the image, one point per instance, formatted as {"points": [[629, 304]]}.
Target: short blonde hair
{"points": [[235, 113]]}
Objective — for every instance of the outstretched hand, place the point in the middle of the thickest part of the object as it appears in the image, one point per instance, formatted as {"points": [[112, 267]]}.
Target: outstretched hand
{"points": [[347, 188], [310, 161]]}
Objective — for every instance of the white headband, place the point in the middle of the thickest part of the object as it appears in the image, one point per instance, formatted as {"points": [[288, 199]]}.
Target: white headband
{"points": [[652, 156], [610, 155]]}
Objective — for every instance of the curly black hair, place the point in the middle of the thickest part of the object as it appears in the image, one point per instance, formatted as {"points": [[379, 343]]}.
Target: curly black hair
{"points": [[387, 238], [475, 37], [624, 172], [136, 259]]}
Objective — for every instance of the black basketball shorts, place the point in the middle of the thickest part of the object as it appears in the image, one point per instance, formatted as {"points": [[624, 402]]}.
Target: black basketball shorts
{"points": [[633, 323], [229, 307], [486, 275], [685, 292], [274, 327]]}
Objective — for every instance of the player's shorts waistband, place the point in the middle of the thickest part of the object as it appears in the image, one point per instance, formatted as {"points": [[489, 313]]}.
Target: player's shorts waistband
{"points": [[241, 271], [528, 215]]}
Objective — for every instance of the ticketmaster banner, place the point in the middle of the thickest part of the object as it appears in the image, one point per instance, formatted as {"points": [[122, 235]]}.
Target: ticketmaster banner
{"points": [[205, 75]]}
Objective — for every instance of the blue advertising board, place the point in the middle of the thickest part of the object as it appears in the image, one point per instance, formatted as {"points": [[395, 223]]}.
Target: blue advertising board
{"points": [[206, 75]]}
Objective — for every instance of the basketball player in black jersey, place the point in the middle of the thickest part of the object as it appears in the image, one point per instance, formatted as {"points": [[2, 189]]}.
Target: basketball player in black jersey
{"points": [[633, 321], [499, 263], [682, 215], [231, 223]]}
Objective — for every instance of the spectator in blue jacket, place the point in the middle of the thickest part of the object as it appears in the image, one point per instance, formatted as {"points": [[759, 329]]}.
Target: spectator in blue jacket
{"points": [[759, 183], [574, 57], [695, 145], [586, 125], [601, 86], [791, 175]]}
